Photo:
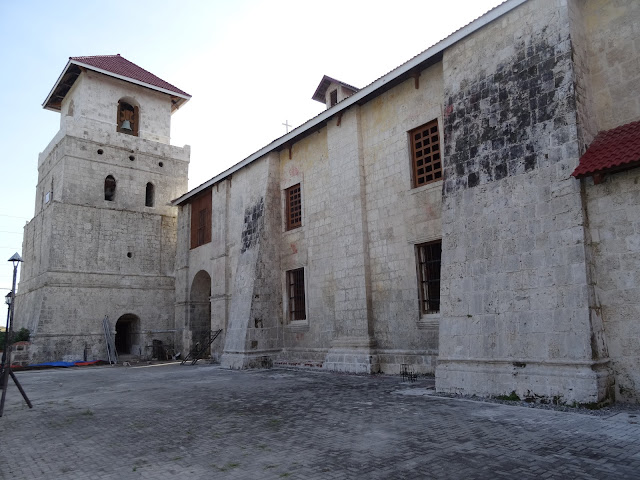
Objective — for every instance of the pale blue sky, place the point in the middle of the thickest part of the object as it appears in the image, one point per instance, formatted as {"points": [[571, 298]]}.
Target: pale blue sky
{"points": [[249, 64]]}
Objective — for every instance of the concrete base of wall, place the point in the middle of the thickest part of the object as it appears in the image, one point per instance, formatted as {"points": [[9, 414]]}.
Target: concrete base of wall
{"points": [[352, 355], [564, 383], [302, 357], [67, 348], [420, 362], [243, 360], [91, 346]]}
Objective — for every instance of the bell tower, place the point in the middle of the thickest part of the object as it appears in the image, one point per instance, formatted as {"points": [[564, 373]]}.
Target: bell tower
{"points": [[102, 241]]}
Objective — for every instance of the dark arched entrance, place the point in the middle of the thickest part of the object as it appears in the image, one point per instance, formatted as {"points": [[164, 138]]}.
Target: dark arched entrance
{"points": [[200, 307], [128, 335]]}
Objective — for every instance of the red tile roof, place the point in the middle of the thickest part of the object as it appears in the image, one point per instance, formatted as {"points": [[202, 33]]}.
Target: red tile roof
{"points": [[123, 67], [612, 150]]}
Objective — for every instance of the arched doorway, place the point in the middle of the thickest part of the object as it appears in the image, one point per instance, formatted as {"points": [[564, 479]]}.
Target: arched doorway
{"points": [[200, 307], [128, 335]]}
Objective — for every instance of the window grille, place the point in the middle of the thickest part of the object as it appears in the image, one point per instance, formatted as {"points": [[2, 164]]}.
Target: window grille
{"points": [[294, 207], [429, 260], [425, 154], [295, 285]]}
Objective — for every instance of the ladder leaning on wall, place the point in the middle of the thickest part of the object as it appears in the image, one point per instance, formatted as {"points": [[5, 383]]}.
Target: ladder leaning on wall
{"points": [[112, 355]]}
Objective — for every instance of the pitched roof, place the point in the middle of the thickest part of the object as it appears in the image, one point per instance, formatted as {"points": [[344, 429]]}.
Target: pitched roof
{"points": [[121, 66], [114, 66], [611, 151]]}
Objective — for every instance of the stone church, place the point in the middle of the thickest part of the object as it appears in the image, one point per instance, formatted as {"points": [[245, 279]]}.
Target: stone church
{"points": [[472, 214]]}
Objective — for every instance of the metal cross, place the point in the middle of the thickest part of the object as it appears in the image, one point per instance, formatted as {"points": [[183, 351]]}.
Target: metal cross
{"points": [[286, 124]]}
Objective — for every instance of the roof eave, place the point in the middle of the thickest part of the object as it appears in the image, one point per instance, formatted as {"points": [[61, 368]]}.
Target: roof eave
{"points": [[182, 99], [357, 97], [605, 171], [45, 104]]}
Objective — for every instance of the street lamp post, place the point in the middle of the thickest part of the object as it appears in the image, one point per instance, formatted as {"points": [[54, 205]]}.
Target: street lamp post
{"points": [[6, 356], [7, 300]]}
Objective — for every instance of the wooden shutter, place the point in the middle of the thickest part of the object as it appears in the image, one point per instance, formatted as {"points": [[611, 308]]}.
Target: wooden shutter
{"points": [[136, 120], [201, 219]]}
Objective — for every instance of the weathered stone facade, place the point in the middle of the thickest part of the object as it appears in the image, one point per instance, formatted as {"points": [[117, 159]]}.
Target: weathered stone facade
{"points": [[537, 286], [514, 247], [609, 96], [518, 95], [86, 257]]}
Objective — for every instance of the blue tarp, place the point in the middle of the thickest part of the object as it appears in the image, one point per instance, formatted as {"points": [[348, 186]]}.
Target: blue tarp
{"points": [[64, 364]]}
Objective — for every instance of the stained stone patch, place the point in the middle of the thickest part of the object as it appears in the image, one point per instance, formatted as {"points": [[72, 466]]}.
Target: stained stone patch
{"points": [[499, 122], [253, 225]]}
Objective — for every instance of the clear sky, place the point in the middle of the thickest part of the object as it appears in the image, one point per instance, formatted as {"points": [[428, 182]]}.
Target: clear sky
{"points": [[250, 65]]}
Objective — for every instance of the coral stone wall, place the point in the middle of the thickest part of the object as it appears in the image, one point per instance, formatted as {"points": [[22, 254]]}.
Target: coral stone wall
{"points": [[515, 296]]}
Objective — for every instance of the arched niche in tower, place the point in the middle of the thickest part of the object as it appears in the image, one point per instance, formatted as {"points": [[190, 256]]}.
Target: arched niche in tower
{"points": [[110, 188], [128, 119], [149, 195]]}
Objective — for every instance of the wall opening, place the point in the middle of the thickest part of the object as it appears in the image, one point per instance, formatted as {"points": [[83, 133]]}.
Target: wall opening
{"points": [[110, 188], [200, 307], [128, 335], [128, 118], [149, 195]]}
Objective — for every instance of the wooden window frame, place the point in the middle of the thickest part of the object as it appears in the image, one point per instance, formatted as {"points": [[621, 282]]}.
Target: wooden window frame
{"points": [[333, 97], [426, 158], [429, 265], [201, 220], [296, 295], [293, 207]]}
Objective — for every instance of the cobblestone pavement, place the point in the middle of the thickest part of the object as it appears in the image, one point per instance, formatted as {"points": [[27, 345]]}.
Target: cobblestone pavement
{"points": [[184, 422]]}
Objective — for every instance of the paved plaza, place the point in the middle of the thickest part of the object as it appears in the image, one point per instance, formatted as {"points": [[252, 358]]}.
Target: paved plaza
{"points": [[182, 422]]}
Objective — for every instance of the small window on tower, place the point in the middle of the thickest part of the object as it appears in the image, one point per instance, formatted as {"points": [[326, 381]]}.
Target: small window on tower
{"points": [[127, 121], [109, 188], [149, 195], [334, 97]]}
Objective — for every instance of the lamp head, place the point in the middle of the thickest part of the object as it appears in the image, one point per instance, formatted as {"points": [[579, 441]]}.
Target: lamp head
{"points": [[15, 259], [8, 298]]}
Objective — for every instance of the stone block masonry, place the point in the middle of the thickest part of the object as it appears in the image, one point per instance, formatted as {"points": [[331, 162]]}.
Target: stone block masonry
{"points": [[515, 300], [88, 254], [254, 327]]}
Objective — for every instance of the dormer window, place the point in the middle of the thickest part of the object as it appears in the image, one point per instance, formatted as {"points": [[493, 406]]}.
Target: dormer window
{"points": [[331, 91], [128, 118]]}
